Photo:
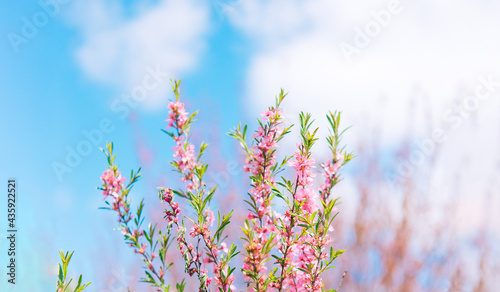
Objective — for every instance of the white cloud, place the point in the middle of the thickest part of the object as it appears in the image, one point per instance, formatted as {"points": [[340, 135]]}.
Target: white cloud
{"points": [[434, 46], [119, 46], [433, 49]]}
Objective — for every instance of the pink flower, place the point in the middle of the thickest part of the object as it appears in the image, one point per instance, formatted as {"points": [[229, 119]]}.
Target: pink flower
{"points": [[259, 163], [195, 231], [112, 183], [167, 195], [303, 165], [272, 114], [185, 154], [330, 172], [177, 116], [142, 250], [305, 256], [223, 246], [210, 217], [170, 215], [251, 216], [308, 197]]}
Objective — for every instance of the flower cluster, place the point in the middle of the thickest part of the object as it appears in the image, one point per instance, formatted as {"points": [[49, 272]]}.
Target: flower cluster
{"points": [[167, 196], [300, 235], [184, 152], [312, 257], [112, 183], [177, 116], [192, 258], [330, 172], [141, 240], [303, 164], [261, 232], [185, 162], [298, 240], [307, 258], [307, 198], [261, 166], [261, 160], [199, 196]]}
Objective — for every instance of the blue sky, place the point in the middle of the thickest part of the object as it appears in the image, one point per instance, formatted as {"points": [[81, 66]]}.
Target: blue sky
{"points": [[48, 102], [233, 58]]}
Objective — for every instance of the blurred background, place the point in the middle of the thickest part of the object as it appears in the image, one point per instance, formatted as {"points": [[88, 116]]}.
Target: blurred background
{"points": [[418, 81]]}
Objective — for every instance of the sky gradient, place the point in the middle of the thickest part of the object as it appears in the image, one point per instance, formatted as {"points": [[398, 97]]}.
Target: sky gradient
{"points": [[69, 68]]}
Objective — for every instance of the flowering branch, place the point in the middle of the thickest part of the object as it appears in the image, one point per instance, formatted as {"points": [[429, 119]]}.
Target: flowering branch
{"points": [[298, 240], [113, 187], [259, 229], [318, 259], [300, 236], [303, 201], [199, 197]]}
